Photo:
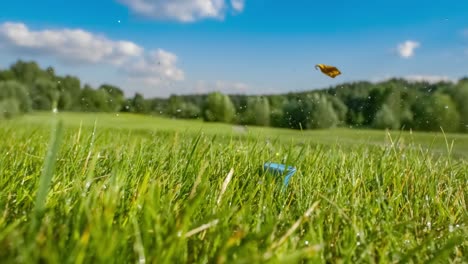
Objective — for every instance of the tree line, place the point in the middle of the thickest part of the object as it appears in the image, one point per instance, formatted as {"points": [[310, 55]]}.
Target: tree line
{"points": [[392, 104]]}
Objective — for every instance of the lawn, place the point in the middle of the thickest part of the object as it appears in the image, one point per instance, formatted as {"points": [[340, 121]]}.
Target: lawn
{"points": [[108, 188]]}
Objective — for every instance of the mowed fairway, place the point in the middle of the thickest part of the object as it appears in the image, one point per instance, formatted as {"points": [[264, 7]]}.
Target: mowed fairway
{"points": [[127, 188]]}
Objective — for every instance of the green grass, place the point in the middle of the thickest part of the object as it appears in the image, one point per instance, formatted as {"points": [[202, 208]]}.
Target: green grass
{"points": [[129, 188]]}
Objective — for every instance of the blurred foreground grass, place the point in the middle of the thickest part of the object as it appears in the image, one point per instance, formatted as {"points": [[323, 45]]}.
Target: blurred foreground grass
{"points": [[138, 189]]}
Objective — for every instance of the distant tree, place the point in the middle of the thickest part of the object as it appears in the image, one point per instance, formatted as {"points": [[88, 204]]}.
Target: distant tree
{"points": [[92, 100], [86, 99], [295, 114], [218, 108], [278, 119], [44, 94], [69, 88], [174, 106], [15, 91], [370, 105], [322, 113], [258, 111], [277, 105], [65, 101], [240, 103], [114, 97], [191, 110], [385, 118], [460, 97], [340, 108], [432, 112], [7, 75], [392, 103], [139, 105], [158, 106], [314, 111], [408, 100], [28, 72], [9, 108], [180, 107]]}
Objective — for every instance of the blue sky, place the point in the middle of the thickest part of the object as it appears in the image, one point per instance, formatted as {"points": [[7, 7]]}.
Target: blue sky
{"points": [[162, 47]]}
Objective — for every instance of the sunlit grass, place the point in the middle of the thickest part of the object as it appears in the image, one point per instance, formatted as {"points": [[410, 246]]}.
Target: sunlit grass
{"points": [[163, 192]]}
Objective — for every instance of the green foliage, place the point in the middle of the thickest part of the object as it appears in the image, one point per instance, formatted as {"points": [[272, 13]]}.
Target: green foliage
{"points": [[94, 100], [28, 72], [70, 91], [322, 113], [218, 108], [138, 104], [258, 111], [431, 113], [180, 108], [295, 114], [314, 111], [44, 94], [9, 108], [340, 108], [395, 103], [16, 92], [385, 118], [460, 97], [7, 75], [114, 97]]}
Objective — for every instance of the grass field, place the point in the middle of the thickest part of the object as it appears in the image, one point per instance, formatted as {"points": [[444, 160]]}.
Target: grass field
{"points": [[110, 188]]}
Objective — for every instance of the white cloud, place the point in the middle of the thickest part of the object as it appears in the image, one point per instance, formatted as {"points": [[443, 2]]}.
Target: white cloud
{"points": [[429, 78], [238, 5], [182, 10], [407, 48], [157, 67], [72, 45], [79, 46]]}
